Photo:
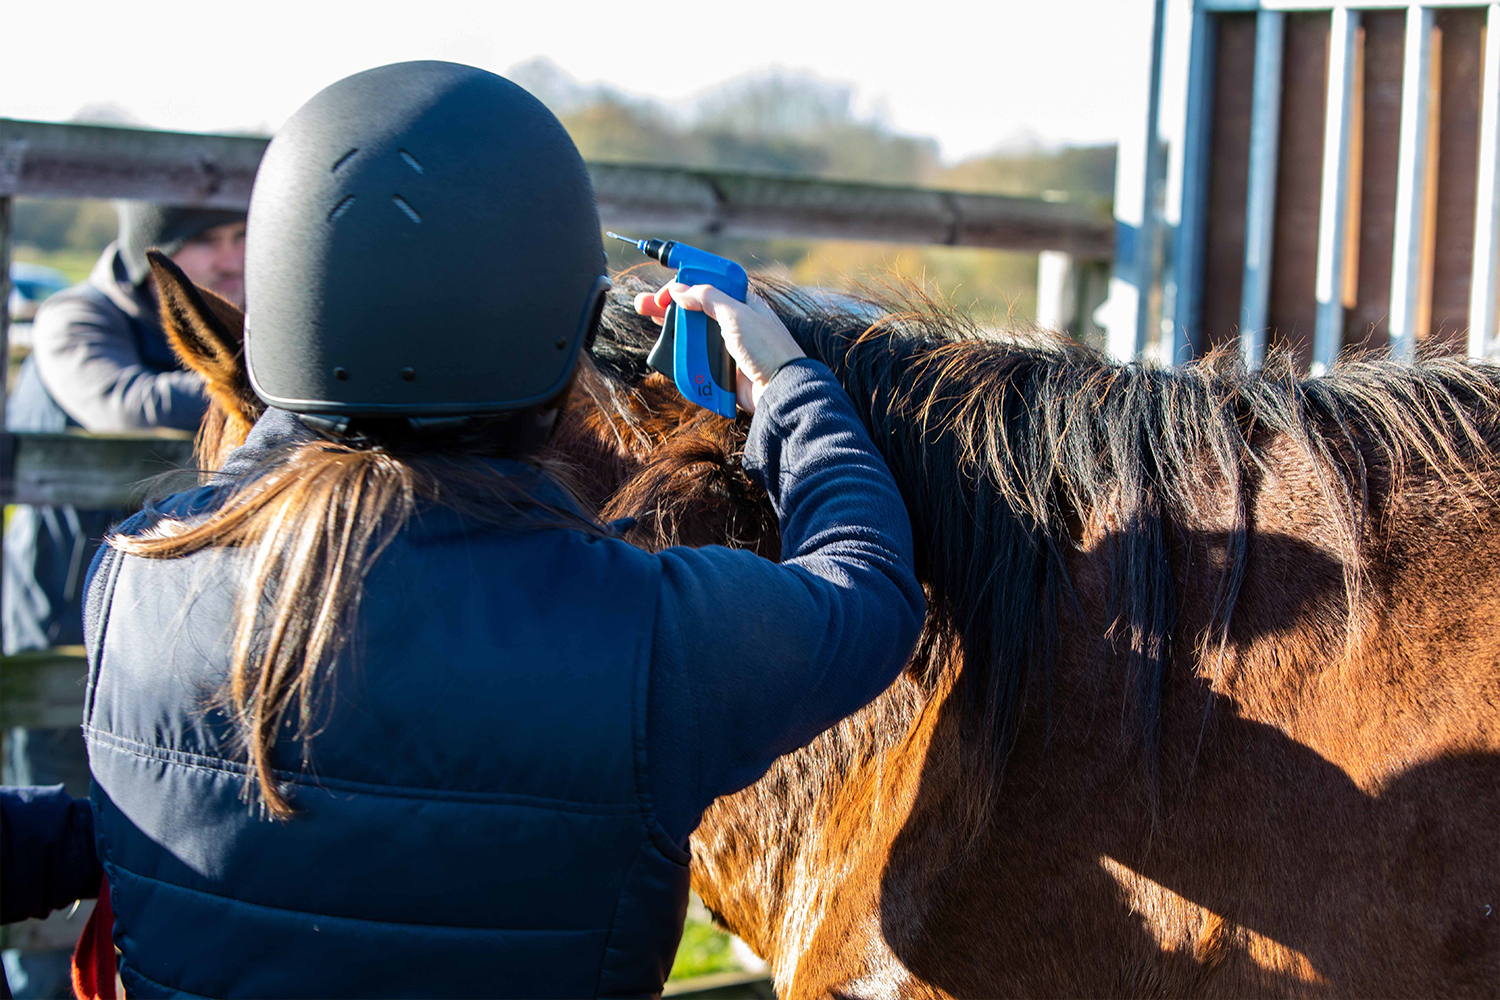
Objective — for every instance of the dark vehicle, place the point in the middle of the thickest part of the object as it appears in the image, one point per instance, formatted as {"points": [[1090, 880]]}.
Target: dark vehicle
{"points": [[30, 285]]}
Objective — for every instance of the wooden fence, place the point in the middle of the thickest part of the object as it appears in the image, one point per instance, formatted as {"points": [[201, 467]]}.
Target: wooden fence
{"points": [[49, 160]]}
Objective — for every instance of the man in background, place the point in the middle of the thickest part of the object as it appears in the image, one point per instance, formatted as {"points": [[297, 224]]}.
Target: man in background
{"points": [[100, 362]]}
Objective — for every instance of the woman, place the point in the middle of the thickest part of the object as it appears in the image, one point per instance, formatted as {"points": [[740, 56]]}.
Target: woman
{"points": [[383, 713]]}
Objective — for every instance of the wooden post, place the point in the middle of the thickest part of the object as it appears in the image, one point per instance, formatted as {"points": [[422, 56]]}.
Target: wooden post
{"points": [[1227, 194], [1091, 279], [1371, 247], [1292, 305], [1068, 291], [1055, 290]]}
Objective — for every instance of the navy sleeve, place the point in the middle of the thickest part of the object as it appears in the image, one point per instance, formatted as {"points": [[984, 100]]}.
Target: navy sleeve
{"points": [[47, 858], [752, 659]]}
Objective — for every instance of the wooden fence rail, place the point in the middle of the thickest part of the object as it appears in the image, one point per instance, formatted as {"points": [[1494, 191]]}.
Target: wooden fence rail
{"points": [[51, 160], [90, 471]]}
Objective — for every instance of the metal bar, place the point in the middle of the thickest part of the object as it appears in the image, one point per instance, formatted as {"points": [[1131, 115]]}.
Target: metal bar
{"points": [[44, 159], [1260, 201], [1145, 242], [1225, 6], [1411, 184], [5, 453], [1328, 333], [1484, 292], [1188, 248]]}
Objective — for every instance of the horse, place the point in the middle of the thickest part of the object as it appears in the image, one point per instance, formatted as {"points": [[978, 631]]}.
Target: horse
{"points": [[1207, 699]]}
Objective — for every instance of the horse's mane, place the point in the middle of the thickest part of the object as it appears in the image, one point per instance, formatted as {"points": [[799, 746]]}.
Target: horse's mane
{"points": [[1009, 451]]}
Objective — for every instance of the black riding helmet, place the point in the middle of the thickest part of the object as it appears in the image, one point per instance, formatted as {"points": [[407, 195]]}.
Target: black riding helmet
{"points": [[423, 241]]}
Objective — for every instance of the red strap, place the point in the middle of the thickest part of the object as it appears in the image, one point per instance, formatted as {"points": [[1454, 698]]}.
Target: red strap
{"points": [[94, 957]]}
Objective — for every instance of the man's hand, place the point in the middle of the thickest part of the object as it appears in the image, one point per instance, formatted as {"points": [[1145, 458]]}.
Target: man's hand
{"points": [[754, 335]]}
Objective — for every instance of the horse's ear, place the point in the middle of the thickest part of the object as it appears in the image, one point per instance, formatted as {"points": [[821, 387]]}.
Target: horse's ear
{"points": [[207, 333]]}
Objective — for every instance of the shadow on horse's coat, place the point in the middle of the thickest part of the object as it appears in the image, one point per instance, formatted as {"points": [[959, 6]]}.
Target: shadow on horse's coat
{"points": [[1207, 703]]}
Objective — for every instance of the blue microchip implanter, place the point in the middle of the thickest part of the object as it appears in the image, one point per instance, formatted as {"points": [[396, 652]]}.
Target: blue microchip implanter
{"points": [[691, 350]]}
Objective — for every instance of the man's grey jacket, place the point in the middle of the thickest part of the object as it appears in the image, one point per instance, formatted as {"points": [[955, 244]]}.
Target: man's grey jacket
{"points": [[99, 361]]}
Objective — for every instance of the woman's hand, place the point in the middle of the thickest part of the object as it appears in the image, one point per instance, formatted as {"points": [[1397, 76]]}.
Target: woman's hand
{"points": [[755, 336]]}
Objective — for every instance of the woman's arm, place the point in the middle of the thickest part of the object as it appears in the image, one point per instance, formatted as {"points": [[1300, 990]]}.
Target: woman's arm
{"points": [[753, 659], [47, 858]]}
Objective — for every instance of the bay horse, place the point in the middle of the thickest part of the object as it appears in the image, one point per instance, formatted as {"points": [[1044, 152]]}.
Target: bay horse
{"points": [[1207, 700]]}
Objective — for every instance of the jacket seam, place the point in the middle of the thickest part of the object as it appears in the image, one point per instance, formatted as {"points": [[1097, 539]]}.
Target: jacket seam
{"points": [[95, 650], [641, 712], [614, 915], [640, 709], [201, 762]]}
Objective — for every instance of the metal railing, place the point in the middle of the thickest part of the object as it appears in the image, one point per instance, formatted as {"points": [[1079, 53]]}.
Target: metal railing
{"points": [[1320, 144]]}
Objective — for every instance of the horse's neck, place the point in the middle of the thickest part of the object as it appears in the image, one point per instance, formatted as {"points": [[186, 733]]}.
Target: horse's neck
{"points": [[218, 435], [762, 858]]}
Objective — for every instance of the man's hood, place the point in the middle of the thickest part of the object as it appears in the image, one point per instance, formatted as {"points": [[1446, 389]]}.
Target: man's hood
{"points": [[109, 277]]}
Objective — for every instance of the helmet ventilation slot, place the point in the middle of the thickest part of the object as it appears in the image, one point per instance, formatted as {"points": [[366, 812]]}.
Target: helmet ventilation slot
{"points": [[411, 213]]}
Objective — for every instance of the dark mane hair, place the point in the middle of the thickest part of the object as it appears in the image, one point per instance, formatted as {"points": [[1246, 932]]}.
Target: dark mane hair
{"points": [[1005, 448]]}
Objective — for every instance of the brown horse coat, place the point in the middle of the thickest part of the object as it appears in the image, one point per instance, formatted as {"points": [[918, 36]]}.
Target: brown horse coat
{"points": [[1208, 700]]}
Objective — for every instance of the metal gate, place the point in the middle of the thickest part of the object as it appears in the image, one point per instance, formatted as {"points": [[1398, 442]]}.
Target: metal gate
{"points": [[1314, 177]]}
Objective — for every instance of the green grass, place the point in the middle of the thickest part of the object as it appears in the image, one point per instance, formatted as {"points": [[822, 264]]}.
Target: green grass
{"points": [[76, 264], [704, 950]]}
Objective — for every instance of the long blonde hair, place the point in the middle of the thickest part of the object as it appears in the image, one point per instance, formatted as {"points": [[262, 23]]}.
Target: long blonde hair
{"points": [[313, 517]]}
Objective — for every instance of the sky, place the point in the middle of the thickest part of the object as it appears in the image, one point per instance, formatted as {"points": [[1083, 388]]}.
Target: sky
{"points": [[972, 74]]}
